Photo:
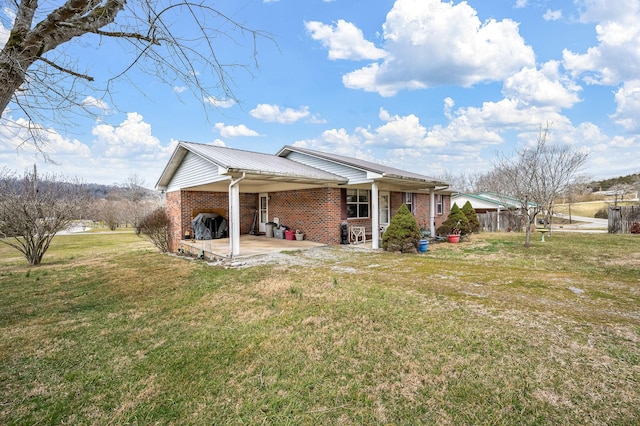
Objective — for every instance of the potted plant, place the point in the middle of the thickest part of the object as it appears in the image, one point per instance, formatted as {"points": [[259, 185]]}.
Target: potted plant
{"points": [[299, 235], [454, 235], [455, 226]]}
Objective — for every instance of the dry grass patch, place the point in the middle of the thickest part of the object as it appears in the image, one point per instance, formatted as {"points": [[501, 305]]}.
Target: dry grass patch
{"points": [[483, 332]]}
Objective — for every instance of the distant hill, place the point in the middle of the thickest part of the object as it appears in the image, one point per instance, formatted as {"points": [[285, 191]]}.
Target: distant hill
{"points": [[606, 184]]}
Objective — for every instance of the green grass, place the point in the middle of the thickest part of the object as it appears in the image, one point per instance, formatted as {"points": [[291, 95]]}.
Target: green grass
{"points": [[108, 331]]}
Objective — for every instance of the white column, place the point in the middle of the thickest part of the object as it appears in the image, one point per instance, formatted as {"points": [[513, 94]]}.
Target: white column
{"points": [[432, 212], [234, 216], [375, 216], [234, 220]]}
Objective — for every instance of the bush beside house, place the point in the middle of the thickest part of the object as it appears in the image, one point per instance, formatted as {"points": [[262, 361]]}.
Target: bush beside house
{"points": [[472, 216], [403, 233], [456, 223]]}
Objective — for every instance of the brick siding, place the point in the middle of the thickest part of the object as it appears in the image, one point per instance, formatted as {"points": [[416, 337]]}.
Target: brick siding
{"points": [[316, 212]]}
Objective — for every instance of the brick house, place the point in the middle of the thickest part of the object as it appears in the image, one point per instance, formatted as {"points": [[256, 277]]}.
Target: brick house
{"points": [[316, 192]]}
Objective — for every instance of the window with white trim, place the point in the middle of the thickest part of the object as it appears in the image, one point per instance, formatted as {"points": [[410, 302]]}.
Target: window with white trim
{"points": [[439, 204], [357, 203], [408, 200]]}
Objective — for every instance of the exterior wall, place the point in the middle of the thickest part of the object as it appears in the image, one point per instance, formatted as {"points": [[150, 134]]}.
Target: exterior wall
{"points": [[180, 206], [316, 212], [422, 210], [446, 208]]}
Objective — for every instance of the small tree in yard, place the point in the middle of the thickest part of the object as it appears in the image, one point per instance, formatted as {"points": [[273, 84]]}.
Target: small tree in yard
{"points": [[537, 175], [403, 233], [155, 226], [472, 217], [456, 222], [33, 211]]}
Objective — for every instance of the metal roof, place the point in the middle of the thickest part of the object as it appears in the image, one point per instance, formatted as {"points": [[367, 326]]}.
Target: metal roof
{"points": [[493, 198], [386, 171], [236, 161]]}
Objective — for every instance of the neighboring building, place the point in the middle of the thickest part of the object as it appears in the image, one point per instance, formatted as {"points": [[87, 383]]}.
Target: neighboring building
{"points": [[495, 212], [309, 190]]}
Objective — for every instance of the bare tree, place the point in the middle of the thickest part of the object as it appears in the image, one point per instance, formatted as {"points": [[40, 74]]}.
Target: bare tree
{"points": [[619, 191], [155, 226], [33, 210], [138, 200], [576, 190], [463, 182], [536, 176], [40, 77]]}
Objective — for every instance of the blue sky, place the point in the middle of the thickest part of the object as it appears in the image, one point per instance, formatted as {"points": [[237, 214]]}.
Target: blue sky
{"points": [[423, 85]]}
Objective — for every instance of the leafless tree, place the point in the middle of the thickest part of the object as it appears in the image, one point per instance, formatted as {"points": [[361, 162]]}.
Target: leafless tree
{"points": [[40, 77], [155, 226], [619, 191], [537, 175], [463, 182], [138, 201], [34, 209], [576, 190]]}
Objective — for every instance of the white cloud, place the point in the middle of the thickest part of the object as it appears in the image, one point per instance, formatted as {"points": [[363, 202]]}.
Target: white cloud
{"points": [[116, 152], [544, 87], [273, 113], [235, 131], [15, 138], [616, 58], [398, 131], [90, 101], [344, 41], [220, 103], [179, 89], [552, 15], [431, 43], [131, 138], [628, 106], [606, 10]]}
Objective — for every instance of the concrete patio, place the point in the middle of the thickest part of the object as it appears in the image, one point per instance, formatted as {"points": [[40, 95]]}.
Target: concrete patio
{"points": [[250, 245]]}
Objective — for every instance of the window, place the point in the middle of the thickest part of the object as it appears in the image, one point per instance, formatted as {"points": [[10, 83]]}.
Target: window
{"points": [[357, 203], [439, 204], [408, 200]]}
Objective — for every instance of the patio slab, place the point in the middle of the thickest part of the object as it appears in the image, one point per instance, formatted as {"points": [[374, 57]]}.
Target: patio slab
{"points": [[250, 245]]}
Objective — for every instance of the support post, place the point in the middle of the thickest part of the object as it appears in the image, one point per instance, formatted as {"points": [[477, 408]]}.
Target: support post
{"points": [[432, 212], [234, 217], [375, 216]]}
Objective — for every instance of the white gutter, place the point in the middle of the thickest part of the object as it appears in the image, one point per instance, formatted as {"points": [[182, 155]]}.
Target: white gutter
{"points": [[234, 216]]}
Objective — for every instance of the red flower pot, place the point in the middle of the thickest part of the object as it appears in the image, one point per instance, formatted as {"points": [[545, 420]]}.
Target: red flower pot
{"points": [[290, 234], [453, 238]]}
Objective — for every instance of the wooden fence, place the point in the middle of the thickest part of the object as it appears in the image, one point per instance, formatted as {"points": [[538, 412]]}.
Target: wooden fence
{"points": [[624, 219], [509, 221]]}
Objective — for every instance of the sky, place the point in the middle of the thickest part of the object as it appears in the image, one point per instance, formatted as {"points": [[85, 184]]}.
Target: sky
{"points": [[434, 87]]}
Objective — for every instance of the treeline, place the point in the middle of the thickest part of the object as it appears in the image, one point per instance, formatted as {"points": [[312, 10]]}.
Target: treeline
{"points": [[607, 184]]}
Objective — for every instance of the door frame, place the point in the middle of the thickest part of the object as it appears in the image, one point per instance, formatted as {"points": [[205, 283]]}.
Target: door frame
{"points": [[263, 211], [384, 221]]}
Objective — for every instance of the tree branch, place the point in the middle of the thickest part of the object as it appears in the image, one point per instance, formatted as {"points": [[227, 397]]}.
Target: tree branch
{"points": [[66, 70]]}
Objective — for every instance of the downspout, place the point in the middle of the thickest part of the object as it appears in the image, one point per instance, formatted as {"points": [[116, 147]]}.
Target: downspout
{"points": [[234, 216]]}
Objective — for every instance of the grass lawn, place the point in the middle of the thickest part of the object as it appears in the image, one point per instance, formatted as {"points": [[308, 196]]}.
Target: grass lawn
{"points": [[108, 331]]}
